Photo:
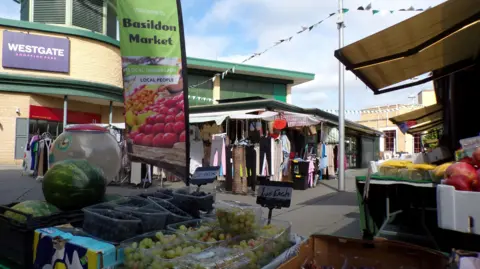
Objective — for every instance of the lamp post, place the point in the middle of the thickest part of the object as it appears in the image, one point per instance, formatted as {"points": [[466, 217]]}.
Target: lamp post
{"points": [[341, 103]]}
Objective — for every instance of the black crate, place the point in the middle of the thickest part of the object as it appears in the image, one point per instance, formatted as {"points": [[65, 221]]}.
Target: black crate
{"points": [[300, 182], [300, 167], [16, 239]]}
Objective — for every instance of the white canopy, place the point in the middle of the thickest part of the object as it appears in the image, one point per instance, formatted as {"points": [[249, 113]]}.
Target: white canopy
{"points": [[219, 117], [298, 119]]}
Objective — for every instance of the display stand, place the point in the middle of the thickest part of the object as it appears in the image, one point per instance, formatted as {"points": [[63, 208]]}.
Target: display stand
{"points": [[387, 229]]}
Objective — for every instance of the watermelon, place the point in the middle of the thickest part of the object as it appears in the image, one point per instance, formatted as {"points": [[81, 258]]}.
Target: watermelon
{"points": [[72, 185], [33, 208], [92, 171]]}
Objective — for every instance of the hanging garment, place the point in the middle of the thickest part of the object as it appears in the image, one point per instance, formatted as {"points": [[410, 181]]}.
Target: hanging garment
{"points": [[286, 163], [335, 157], [33, 155], [265, 156], [229, 165], [251, 162], [239, 184], [257, 159], [311, 169], [331, 161], [41, 159], [196, 154], [217, 155], [273, 165], [278, 160]]}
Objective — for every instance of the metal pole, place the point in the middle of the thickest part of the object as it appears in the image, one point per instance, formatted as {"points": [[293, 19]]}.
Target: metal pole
{"points": [[110, 115], [341, 103], [65, 109]]}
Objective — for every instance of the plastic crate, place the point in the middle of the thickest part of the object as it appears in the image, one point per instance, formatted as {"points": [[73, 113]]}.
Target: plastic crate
{"points": [[216, 257], [111, 225], [258, 250], [279, 233], [176, 214], [238, 218], [16, 239], [157, 194], [191, 225], [201, 199], [153, 217]]}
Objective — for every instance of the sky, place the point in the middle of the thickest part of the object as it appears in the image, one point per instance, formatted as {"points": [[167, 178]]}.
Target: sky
{"points": [[232, 30]]}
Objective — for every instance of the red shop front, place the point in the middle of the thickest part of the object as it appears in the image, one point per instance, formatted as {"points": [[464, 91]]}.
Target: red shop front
{"points": [[56, 114]]}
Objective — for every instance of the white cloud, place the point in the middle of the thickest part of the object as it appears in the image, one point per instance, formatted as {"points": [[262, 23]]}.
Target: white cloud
{"points": [[311, 51]]}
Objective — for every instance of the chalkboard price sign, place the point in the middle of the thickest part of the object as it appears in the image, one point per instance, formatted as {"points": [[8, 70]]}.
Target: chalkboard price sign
{"points": [[274, 194], [205, 175]]}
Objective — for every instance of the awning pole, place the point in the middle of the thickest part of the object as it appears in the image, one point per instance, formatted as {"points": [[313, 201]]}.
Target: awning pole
{"points": [[341, 104], [65, 109], [110, 114]]}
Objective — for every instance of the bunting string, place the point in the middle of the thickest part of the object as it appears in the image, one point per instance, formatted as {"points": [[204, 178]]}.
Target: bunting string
{"points": [[376, 111], [367, 8]]}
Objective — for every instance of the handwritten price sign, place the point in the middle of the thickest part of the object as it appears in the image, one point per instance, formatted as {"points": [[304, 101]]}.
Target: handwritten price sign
{"points": [[205, 175], [274, 194]]}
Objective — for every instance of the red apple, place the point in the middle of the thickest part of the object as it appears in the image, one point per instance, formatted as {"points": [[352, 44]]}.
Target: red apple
{"points": [[160, 118], [147, 140], [133, 134], [170, 118], [158, 140], [170, 103], [468, 160], [460, 182], [151, 120], [138, 139], [180, 105], [179, 127], [173, 111], [169, 139], [182, 137], [158, 128], [169, 127], [180, 117], [462, 168], [163, 110], [141, 129], [148, 129]]}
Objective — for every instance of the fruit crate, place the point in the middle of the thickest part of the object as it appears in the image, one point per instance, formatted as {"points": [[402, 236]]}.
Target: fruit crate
{"points": [[111, 225], [176, 214], [153, 217], [458, 210], [215, 258], [279, 232], [16, 238], [201, 198], [258, 251], [238, 218], [157, 194], [190, 225]]}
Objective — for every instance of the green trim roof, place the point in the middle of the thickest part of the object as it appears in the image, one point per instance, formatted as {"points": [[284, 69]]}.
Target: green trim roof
{"points": [[297, 77]]}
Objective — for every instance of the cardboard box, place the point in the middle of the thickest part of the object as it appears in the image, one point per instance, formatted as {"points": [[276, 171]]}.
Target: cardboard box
{"points": [[354, 253], [62, 248]]}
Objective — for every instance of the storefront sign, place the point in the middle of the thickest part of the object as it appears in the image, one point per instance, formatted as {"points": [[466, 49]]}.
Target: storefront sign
{"points": [[154, 77], [56, 114], [35, 52]]}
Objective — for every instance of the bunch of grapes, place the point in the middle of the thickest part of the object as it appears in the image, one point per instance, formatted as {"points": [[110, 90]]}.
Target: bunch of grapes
{"points": [[237, 221]]}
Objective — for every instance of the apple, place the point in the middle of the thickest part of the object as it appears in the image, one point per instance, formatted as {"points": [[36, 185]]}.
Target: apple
{"points": [[182, 137], [141, 129], [468, 160], [158, 128], [148, 129], [173, 111], [460, 182], [180, 105], [180, 117], [170, 118], [133, 134], [138, 139], [179, 127], [163, 110], [462, 168], [169, 127], [170, 103], [160, 118], [147, 140], [169, 139], [158, 140], [151, 120]]}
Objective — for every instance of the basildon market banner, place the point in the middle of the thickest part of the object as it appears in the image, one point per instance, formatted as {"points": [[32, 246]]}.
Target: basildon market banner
{"points": [[154, 66]]}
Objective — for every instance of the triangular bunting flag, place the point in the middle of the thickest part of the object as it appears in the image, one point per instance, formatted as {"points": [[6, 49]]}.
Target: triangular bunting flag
{"points": [[311, 27], [375, 11], [411, 8], [330, 15], [345, 10], [368, 7], [290, 38], [419, 9], [360, 8], [391, 11], [402, 9]]}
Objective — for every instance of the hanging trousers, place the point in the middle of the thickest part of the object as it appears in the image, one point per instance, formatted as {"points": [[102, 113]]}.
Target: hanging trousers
{"points": [[266, 150], [239, 185], [251, 160], [229, 165]]}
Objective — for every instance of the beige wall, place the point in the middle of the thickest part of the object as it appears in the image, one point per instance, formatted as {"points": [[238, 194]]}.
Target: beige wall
{"points": [[89, 60], [9, 102], [427, 98]]}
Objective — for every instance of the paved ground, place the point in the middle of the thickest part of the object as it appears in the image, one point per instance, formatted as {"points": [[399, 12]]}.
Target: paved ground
{"points": [[321, 209]]}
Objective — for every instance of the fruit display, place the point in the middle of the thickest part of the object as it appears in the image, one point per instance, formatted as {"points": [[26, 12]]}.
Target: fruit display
{"points": [[158, 124], [391, 167], [279, 232], [140, 99], [463, 177], [157, 194], [192, 226], [417, 172], [216, 258], [110, 225], [258, 251], [201, 199], [153, 218], [68, 187], [237, 218], [439, 172], [176, 214], [31, 208]]}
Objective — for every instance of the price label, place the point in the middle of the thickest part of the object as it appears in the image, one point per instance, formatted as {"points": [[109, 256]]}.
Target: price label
{"points": [[274, 194], [205, 175]]}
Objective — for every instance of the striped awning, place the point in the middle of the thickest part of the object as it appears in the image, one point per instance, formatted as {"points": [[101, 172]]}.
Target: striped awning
{"points": [[443, 38]]}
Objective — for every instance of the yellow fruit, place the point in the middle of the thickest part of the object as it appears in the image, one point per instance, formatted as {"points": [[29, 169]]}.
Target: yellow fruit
{"points": [[130, 118], [142, 118], [135, 128], [439, 172]]}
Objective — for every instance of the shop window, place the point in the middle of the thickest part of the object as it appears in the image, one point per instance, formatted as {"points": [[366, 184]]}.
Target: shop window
{"points": [[390, 140], [417, 143]]}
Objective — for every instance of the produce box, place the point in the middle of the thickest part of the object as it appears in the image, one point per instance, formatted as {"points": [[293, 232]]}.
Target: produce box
{"points": [[71, 248], [458, 210], [202, 199], [325, 251], [238, 218]]}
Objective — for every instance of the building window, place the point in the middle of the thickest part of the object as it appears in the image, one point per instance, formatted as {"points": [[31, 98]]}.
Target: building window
{"points": [[390, 140], [417, 143]]}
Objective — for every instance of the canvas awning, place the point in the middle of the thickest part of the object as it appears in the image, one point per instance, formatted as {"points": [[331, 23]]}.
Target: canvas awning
{"points": [[420, 120], [219, 117], [445, 36], [298, 119]]}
